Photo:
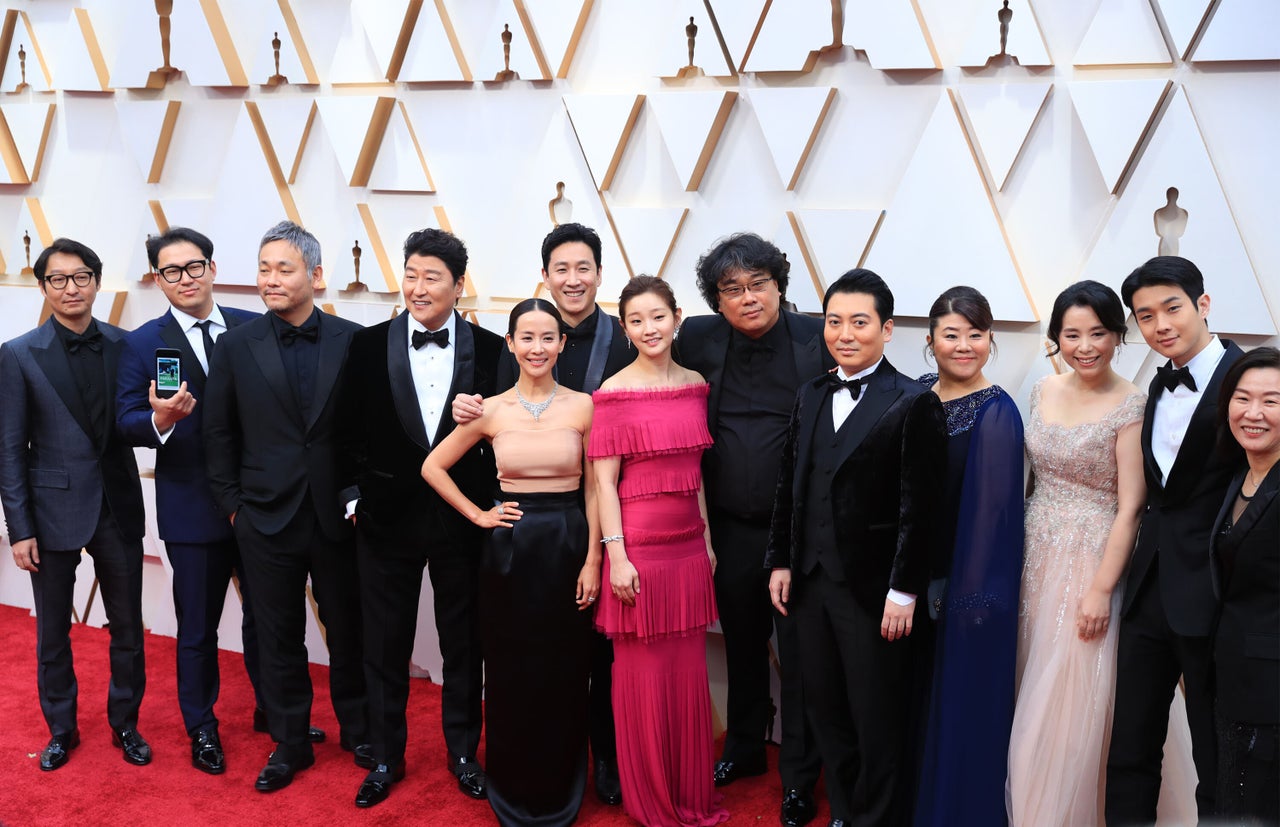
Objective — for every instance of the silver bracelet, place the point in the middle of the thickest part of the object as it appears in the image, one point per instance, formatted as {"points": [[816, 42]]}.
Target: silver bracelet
{"points": [[611, 538]]}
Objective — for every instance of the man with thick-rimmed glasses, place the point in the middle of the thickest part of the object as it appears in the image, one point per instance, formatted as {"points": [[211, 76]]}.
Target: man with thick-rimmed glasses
{"points": [[69, 483]]}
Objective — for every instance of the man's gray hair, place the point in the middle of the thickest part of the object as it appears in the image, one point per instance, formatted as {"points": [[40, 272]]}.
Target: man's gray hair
{"points": [[302, 241]]}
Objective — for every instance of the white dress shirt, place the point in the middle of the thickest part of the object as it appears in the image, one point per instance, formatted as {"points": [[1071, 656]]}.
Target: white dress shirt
{"points": [[1174, 408], [432, 369], [196, 339]]}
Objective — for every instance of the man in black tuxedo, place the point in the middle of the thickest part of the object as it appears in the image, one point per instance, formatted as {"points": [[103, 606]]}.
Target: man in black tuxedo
{"points": [[271, 441], [69, 483], [755, 355], [863, 475], [595, 349], [393, 408], [1169, 604]]}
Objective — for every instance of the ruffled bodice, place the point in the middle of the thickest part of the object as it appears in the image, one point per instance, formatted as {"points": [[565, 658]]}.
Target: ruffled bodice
{"points": [[660, 435]]}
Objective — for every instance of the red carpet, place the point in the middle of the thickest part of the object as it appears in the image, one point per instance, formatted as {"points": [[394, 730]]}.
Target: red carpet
{"points": [[98, 787]]}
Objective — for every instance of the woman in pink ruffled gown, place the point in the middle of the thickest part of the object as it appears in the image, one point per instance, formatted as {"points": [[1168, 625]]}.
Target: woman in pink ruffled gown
{"points": [[647, 439]]}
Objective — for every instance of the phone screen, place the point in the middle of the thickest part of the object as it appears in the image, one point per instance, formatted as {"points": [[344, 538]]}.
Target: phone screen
{"points": [[168, 375]]}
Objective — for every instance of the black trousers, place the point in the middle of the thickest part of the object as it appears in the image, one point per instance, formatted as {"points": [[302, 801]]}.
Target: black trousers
{"points": [[748, 619], [390, 585], [1150, 661], [201, 574], [117, 563], [278, 566], [859, 697]]}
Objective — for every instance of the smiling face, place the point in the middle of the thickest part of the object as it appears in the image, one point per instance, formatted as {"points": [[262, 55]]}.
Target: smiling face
{"points": [[573, 279], [190, 295], [536, 343], [429, 290], [72, 306], [1173, 325], [287, 289], [650, 324], [1086, 344], [961, 349], [853, 331], [1253, 412]]}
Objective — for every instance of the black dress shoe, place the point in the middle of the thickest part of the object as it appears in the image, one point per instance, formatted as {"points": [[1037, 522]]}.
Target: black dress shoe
{"points": [[797, 808], [377, 784], [836, 822], [135, 749], [608, 786], [279, 771], [471, 779], [59, 750], [726, 772], [363, 753], [206, 753], [315, 734]]}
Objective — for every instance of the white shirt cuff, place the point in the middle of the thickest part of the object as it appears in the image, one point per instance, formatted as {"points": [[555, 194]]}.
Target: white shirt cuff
{"points": [[163, 437], [901, 598], [351, 509]]}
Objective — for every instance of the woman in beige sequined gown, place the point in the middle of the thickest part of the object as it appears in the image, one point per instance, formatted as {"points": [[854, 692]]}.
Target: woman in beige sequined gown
{"points": [[1081, 521]]}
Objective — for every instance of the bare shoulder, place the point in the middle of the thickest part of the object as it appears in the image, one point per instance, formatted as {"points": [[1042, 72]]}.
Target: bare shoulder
{"points": [[621, 379], [691, 377]]}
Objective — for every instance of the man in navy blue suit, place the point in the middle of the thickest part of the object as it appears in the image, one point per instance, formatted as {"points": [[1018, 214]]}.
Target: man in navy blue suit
{"points": [[198, 539]]}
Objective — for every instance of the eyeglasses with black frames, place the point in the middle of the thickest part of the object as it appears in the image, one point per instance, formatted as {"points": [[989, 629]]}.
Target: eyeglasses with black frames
{"points": [[195, 269], [58, 281]]}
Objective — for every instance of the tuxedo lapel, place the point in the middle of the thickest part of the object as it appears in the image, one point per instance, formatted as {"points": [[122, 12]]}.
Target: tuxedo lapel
{"points": [[52, 359], [882, 392], [1202, 432], [717, 346], [805, 351], [112, 341], [1263, 499], [464, 369], [172, 334], [403, 393], [333, 345], [266, 353], [1148, 424]]}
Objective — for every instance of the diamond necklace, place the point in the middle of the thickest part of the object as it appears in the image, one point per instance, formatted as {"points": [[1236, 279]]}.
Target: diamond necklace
{"points": [[536, 408]]}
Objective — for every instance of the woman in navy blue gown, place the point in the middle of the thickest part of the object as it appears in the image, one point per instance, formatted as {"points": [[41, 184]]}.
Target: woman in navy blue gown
{"points": [[975, 599]]}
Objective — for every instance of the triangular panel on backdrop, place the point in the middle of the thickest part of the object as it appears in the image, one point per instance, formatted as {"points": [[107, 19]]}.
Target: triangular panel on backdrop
{"points": [[803, 289], [892, 34], [434, 53], [736, 19], [388, 23], [833, 241], [1001, 116], [251, 196], [942, 228], [378, 256], [400, 165], [1241, 31], [32, 219], [383, 216], [356, 126], [691, 124], [78, 62], [146, 127], [1183, 19], [202, 46], [1025, 41], [134, 31], [354, 60], [791, 118], [647, 236], [1123, 32], [526, 61], [603, 124], [274, 20], [1115, 115], [1176, 157], [288, 121], [22, 54], [22, 310], [558, 25], [790, 38], [24, 133]]}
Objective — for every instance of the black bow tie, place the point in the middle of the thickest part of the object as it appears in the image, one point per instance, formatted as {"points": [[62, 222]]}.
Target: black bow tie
{"points": [[1171, 378], [854, 386], [93, 341], [421, 337], [291, 334]]}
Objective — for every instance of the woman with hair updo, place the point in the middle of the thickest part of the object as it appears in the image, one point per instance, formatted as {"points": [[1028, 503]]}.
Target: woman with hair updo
{"points": [[649, 432], [974, 589], [540, 573]]}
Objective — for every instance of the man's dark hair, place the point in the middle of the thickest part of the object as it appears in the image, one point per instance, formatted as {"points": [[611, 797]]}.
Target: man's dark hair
{"points": [[71, 248], [860, 280], [1174, 271], [443, 245], [1096, 296], [741, 251], [174, 235], [567, 234]]}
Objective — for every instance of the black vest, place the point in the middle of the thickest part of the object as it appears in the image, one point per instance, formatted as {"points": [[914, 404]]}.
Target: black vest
{"points": [[819, 537]]}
